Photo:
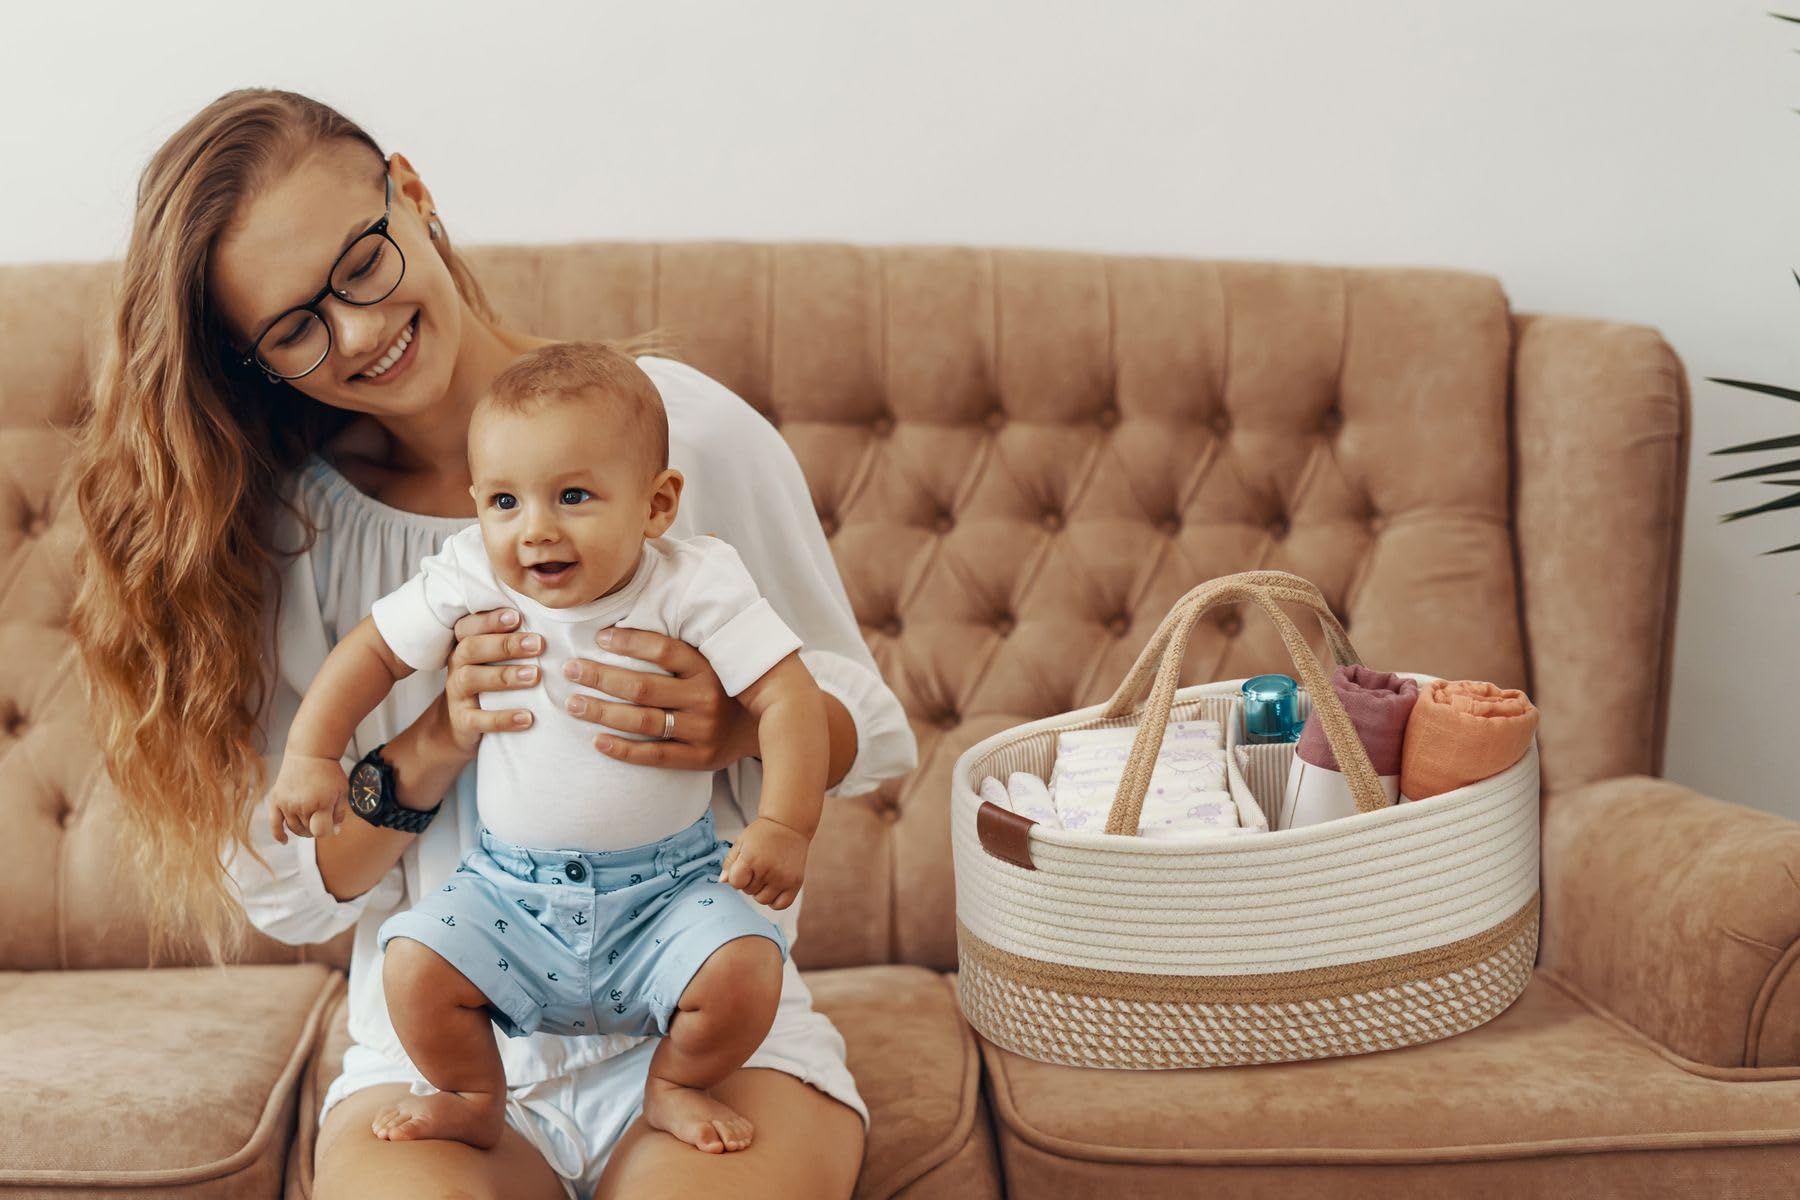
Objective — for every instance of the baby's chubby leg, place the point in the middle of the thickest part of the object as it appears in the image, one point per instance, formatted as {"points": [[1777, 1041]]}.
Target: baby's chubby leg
{"points": [[442, 1021], [723, 1015]]}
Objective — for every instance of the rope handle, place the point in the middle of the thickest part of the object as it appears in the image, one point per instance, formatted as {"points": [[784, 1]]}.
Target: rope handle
{"points": [[1160, 662]]}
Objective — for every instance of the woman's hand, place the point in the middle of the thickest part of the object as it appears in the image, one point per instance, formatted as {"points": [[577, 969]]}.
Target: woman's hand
{"points": [[481, 639], [711, 730]]}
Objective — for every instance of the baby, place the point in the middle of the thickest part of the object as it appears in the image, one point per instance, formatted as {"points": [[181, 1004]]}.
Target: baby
{"points": [[596, 899]]}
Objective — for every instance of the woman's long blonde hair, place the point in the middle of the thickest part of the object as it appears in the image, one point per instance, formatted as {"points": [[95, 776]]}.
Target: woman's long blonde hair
{"points": [[179, 470]]}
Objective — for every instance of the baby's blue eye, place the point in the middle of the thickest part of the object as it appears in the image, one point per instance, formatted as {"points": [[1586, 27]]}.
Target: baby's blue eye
{"points": [[574, 495], [505, 501]]}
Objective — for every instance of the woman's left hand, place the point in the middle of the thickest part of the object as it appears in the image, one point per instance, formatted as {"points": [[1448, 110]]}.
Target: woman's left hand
{"points": [[710, 730]]}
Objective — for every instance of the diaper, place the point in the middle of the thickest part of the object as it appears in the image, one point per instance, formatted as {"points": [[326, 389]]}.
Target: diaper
{"points": [[1188, 795]]}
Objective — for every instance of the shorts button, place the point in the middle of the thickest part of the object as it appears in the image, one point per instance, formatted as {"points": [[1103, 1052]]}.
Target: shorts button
{"points": [[576, 870]]}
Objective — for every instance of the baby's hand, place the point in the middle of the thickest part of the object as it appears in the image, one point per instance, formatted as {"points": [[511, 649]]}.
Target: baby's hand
{"points": [[767, 863], [310, 797]]}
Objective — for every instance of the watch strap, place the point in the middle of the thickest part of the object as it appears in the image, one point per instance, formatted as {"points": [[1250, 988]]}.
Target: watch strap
{"points": [[390, 813]]}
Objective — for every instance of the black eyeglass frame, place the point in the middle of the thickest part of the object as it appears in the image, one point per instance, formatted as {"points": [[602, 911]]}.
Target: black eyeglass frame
{"points": [[379, 228]]}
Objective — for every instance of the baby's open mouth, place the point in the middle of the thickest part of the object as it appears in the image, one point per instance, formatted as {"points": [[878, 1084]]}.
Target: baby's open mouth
{"points": [[551, 572]]}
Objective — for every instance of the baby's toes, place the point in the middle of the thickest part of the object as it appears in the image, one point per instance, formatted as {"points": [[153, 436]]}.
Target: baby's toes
{"points": [[386, 1120], [737, 1134]]}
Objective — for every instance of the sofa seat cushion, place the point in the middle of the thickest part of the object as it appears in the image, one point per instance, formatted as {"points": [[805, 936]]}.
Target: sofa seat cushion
{"points": [[176, 1082], [1549, 1098], [915, 1064]]}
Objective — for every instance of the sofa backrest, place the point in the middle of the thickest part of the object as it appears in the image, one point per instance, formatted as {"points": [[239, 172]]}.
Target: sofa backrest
{"points": [[1021, 459]]}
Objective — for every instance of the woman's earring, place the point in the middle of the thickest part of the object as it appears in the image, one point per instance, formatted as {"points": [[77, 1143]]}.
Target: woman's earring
{"points": [[436, 230]]}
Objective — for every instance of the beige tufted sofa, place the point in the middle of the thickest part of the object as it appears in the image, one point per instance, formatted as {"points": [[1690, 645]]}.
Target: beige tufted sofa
{"points": [[1021, 460]]}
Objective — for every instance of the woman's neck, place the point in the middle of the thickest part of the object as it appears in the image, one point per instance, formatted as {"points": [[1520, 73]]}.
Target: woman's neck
{"points": [[436, 441], [420, 462]]}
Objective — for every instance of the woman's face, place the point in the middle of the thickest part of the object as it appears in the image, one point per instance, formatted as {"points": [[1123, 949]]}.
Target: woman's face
{"points": [[279, 247]]}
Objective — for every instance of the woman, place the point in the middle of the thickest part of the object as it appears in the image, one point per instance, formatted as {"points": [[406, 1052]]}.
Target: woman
{"points": [[278, 430]]}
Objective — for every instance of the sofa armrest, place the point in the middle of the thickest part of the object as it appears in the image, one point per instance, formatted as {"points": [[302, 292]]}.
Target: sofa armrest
{"points": [[1678, 913]]}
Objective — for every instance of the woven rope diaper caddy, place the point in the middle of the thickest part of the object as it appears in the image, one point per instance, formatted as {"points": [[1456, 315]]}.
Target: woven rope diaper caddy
{"points": [[1399, 925]]}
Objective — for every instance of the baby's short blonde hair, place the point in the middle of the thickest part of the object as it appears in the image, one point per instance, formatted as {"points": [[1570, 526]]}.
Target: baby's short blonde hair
{"points": [[592, 372]]}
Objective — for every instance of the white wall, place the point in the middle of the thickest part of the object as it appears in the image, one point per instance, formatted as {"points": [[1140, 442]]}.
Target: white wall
{"points": [[1634, 159]]}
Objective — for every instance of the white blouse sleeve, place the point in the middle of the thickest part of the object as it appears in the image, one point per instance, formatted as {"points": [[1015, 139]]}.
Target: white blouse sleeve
{"points": [[287, 899], [745, 487]]}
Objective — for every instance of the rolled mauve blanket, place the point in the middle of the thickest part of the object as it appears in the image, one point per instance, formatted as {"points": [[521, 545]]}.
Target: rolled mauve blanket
{"points": [[1462, 731], [1379, 704]]}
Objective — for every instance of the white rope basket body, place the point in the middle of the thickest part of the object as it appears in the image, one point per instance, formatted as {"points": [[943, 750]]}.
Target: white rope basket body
{"points": [[1398, 925]]}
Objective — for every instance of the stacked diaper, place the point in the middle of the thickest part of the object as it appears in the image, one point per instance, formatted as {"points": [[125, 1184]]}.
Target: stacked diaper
{"points": [[1187, 795]]}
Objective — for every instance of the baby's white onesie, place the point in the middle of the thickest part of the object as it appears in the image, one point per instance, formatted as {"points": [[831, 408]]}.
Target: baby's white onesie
{"points": [[546, 786]]}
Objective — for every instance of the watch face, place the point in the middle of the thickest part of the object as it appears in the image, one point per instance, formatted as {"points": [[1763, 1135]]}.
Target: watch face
{"points": [[365, 788]]}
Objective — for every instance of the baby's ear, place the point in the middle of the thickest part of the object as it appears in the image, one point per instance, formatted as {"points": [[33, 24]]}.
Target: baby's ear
{"points": [[665, 502]]}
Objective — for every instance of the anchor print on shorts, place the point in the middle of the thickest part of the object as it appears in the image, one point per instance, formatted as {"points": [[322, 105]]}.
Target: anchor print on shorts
{"points": [[450, 921], [533, 911], [612, 958], [500, 925], [551, 975], [504, 965], [636, 878], [579, 918], [449, 887], [705, 901]]}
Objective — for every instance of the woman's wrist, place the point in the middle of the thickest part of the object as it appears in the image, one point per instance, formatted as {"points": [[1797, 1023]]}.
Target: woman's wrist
{"points": [[426, 758]]}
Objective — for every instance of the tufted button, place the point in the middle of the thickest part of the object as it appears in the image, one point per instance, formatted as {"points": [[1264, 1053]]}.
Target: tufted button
{"points": [[1231, 624], [65, 817], [1003, 625], [37, 525], [1107, 417], [891, 627], [883, 425], [576, 870], [1119, 626], [1221, 423], [1332, 419], [995, 419], [890, 812], [948, 721], [1277, 527], [1052, 520], [829, 523], [15, 724], [943, 522], [1377, 522], [1169, 525]]}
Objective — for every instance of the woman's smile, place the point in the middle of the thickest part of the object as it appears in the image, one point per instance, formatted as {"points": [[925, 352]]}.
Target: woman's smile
{"points": [[388, 368]]}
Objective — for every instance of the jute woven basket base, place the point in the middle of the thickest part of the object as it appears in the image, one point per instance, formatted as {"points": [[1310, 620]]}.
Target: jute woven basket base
{"points": [[1128, 1021]]}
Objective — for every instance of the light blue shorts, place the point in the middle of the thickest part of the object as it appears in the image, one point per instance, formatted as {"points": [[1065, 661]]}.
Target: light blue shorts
{"points": [[577, 942]]}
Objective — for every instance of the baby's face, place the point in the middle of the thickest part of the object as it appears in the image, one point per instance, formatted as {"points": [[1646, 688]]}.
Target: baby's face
{"points": [[564, 505]]}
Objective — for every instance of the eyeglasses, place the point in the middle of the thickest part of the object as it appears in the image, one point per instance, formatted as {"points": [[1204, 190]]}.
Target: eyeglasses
{"points": [[297, 341]]}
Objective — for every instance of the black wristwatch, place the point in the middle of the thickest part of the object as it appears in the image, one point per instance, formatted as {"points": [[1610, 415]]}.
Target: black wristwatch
{"points": [[372, 796]]}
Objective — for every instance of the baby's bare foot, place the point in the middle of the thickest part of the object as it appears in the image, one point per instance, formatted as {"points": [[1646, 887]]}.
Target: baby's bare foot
{"points": [[473, 1117], [695, 1117]]}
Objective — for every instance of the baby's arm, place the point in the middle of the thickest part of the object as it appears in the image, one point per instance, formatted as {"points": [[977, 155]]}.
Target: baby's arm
{"points": [[768, 862], [310, 790]]}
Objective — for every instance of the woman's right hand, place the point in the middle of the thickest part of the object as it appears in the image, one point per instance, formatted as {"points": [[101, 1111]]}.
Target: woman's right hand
{"points": [[482, 639]]}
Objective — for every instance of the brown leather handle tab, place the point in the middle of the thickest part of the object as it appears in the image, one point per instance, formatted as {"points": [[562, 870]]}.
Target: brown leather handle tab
{"points": [[1005, 834]]}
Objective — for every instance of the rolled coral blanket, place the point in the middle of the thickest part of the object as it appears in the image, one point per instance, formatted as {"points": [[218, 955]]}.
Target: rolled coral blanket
{"points": [[1462, 731]]}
